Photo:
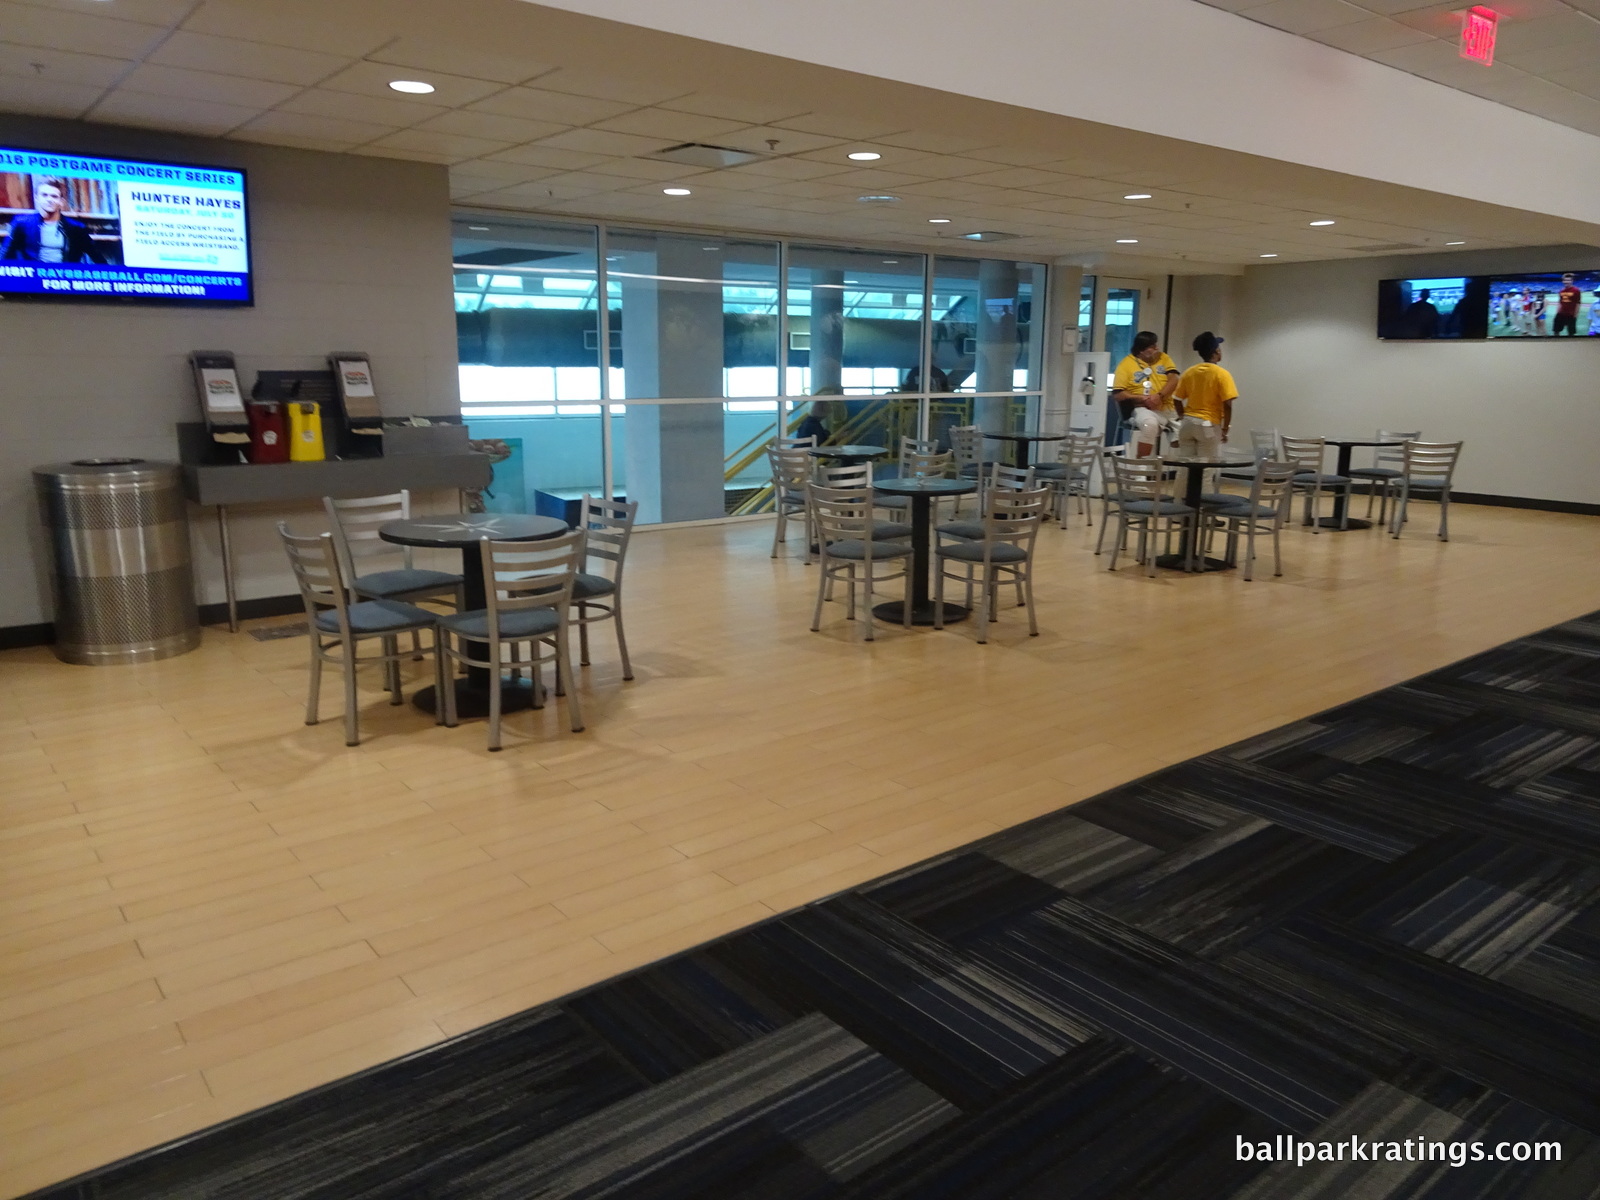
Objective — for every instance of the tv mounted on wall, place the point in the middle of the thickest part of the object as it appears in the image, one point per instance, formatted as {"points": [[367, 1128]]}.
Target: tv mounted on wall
{"points": [[1550, 304], [1451, 308], [75, 227]]}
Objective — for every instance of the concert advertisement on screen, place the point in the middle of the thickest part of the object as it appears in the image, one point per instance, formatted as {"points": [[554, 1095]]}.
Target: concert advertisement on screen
{"points": [[74, 227], [1553, 304], [1431, 309]]}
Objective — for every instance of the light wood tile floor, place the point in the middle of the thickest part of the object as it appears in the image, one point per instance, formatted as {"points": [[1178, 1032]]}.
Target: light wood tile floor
{"points": [[206, 906]]}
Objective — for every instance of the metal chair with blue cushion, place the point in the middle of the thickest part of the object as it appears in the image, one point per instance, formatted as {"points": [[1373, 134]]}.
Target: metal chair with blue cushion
{"points": [[1426, 467], [1263, 511], [858, 477], [1387, 464], [848, 547], [996, 477], [336, 626], [355, 524], [597, 595], [1307, 455], [1146, 502], [1003, 554], [529, 588]]}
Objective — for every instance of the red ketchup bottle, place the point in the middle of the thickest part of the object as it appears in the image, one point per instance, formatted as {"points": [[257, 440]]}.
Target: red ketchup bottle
{"points": [[269, 432]]}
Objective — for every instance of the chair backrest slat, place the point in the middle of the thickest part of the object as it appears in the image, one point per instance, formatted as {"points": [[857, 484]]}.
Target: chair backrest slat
{"points": [[966, 443], [1142, 478], [355, 522], [841, 514], [853, 475], [1307, 454], [1394, 456], [1431, 460], [791, 469], [318, 572], [793, 443], [1273, 487], [919, 464], [910, 446]]}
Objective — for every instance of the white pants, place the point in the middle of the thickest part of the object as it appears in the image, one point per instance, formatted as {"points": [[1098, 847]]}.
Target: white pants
{"points": [[1199, 440], [1145, 431]]}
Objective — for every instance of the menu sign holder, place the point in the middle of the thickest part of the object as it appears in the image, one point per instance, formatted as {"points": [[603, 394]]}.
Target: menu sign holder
{"points": [[216, 384], [361, 416]]}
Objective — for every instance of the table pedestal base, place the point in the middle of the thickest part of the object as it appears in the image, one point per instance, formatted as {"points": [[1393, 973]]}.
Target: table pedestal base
{"points": [[892, 612], [1180, 562], [1333, 523], [473, 701]]}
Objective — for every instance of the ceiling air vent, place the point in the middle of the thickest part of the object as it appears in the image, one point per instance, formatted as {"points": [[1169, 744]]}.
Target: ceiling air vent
{"points": [[989, 235], [1390, 247], [698, 154]]}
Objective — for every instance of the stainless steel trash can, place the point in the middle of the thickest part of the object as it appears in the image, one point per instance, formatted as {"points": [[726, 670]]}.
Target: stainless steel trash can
{"points": [[124, 588]]}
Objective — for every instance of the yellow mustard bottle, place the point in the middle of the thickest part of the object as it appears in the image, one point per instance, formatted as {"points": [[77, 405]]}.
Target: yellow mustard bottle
{"points": [[305, 432]]}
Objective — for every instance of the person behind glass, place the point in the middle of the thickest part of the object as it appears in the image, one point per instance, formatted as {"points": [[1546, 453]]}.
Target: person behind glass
{"points": [[1147, 372], [45, 235], [1205, 397], [818, 414]]}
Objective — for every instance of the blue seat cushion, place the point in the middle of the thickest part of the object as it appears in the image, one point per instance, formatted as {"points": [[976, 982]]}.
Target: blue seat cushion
{"points": [[518, 623], [586, 587], [1000, 552], [1375, 472], [404, 581], [1427, 484], [972, 530], [1242, 509], [881, 551], [379, 616], [1145, 508], [1218, 499], [890, 531], [891, 501]]}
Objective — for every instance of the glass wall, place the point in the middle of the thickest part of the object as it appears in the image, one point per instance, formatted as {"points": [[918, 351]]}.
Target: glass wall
{"points": [[706, 357]]}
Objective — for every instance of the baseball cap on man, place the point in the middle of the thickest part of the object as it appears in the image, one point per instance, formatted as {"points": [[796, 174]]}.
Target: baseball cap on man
{"points": [[1206, 344]]}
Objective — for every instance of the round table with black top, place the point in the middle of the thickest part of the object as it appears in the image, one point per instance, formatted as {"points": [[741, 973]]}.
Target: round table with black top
{"points": [[1022, 441], [922, 492], [1346, 445], [466, 533], [1193, 489], [848, 456]]}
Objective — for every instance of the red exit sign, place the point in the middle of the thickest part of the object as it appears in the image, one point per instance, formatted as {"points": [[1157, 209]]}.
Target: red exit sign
{"points": [[1478, 33]]}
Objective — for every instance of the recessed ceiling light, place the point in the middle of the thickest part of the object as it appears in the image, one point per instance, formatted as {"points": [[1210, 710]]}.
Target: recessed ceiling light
{"points": [[414, 87], [1455, 243], [864, 155], [676, 192], [711, 247], [891, 262], [877, 199], [1323, 222], [1138, 196], [478, 228], [1127, 241], [938, 220], [1269, 256]]}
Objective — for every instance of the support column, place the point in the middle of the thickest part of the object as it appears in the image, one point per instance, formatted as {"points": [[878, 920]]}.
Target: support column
{"points": [[827, 331], [672, 342], [997, 342]]}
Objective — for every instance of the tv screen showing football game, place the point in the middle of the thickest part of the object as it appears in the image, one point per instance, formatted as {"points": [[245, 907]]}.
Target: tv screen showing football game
{"points": [[73, 227], [1555, 304], [1429, 309]]}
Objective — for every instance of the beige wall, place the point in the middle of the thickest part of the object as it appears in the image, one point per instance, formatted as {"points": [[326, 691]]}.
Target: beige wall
{"points": [[351, 253], [1302, 343]]}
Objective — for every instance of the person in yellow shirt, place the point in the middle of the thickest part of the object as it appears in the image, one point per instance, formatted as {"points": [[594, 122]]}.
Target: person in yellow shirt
{"points": [[1205, 396], [1142, 387]]}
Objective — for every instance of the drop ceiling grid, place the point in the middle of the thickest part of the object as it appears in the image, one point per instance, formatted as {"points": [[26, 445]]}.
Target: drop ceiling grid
{"points": [[545, 137], [1547, 57]]}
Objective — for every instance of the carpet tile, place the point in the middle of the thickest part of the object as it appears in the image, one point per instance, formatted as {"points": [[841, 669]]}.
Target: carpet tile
{"points": [[1379, 927]]}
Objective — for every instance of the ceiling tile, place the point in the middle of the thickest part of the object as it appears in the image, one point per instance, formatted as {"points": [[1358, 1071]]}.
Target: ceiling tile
{"points": [[934, 143], [452, 147], [146, 12], [206, 85], [793, 168], [607, 87], [1307, 16], [46, 97], [124, 107], [1022, 177], [463, 61], [642, 168], [538, 155], [57, 66], [510, 130], [380, 110], [790, 141], [1015, 156], [1584, 80], [1364, 37], [599, 141], [539, 105], [337, 29], [305, 127], [372, 79], [79, 32], [507, 173], [734, 108], [676, 126], [248, 60], [841, 126]]}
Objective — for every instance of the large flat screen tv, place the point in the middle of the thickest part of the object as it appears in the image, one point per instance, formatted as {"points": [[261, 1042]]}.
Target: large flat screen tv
{"points": [[80, 228], [1552, 304], [1429, 309]]}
